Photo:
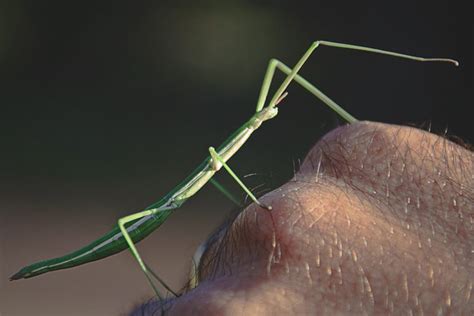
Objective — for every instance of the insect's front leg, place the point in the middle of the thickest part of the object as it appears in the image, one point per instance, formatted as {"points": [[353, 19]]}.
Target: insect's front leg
{"points": [[292, 74]]}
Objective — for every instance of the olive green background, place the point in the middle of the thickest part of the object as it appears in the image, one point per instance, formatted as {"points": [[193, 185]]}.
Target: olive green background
{"points": [[106, 105]]}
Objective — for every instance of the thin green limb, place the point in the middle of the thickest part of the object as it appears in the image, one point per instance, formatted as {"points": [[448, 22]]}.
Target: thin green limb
{"points": [[274, 63], [267, 81], [215, 156], [386, 52], [226, 192], [162, 282], [121, 223], [292, 74]]}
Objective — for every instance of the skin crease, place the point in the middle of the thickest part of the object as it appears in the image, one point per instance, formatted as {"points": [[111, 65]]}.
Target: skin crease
{"points": [[378, 220]]}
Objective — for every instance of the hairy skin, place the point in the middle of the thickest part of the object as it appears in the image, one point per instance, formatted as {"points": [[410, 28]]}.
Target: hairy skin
{"points": [[378, 220]]}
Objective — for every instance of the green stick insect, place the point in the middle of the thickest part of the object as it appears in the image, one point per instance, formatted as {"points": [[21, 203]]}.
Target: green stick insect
{"points": [[133, 228]]}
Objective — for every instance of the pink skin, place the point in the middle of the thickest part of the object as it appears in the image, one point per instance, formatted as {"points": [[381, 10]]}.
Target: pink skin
{"points": [[379, 220]]}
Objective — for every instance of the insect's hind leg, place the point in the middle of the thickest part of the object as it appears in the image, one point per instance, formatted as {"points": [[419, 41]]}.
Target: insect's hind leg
{"points": [[148, 272], [292, 74]]}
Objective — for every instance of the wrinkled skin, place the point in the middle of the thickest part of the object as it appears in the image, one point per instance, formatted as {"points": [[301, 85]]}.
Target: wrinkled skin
{"points": [[378, 220]]}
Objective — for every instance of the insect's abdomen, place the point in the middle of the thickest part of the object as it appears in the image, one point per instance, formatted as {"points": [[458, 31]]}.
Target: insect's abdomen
{"points": [[110, 244]]}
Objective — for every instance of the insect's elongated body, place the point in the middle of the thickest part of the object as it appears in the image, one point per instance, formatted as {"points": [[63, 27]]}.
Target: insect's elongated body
{"points": [[114, 241], [111, 243], [135, 227]]}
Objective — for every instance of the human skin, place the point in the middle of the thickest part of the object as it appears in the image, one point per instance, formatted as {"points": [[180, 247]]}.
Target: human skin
{"points": [[378, 220]]}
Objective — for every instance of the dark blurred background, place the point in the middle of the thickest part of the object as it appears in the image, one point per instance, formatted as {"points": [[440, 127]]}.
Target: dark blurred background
{"points": [[106, 105]]}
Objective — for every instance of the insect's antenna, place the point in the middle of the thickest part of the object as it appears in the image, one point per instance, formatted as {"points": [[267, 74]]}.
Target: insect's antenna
{"points": [[281, 98]]}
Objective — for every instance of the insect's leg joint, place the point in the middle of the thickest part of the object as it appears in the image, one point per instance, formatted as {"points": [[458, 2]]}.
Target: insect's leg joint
{"points": [[216, 165]]}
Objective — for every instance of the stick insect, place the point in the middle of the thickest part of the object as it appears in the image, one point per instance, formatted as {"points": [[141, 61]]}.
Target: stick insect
{"points": [[135, 227]]}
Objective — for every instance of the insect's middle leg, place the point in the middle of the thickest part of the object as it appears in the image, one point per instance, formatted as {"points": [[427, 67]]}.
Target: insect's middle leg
{"points": [[217, 159], [226, 192]]}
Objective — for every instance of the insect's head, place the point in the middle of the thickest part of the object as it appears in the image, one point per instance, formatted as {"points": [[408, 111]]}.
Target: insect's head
{"points": [[264, 114], [268, 113]]}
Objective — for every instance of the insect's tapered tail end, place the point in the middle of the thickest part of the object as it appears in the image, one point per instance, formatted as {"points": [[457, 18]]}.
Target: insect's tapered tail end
{"points": [[17, 276], [24, 273]]}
